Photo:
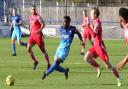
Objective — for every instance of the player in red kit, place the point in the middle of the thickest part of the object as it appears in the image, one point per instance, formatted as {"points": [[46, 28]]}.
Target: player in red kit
{"points": [[36, 36], [86, 33], [123, 14], [98, 49]]}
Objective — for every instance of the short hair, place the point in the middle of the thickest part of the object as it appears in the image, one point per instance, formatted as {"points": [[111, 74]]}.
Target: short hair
{"points": [[85, 10], [14, 8], [96, 11], [123, 12], [67, 18], [34, 6]]}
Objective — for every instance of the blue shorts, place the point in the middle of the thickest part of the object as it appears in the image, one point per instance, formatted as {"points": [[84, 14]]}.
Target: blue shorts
{"points": [[62, 54], [16, 34]]}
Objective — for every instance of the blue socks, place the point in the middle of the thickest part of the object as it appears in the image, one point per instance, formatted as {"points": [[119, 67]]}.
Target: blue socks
{"points": [[60, 69], [14, 48], [55, 66]]}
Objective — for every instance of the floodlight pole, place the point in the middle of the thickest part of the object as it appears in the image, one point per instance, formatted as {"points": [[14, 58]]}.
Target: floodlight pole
{"points": [[23, 9], [4, 7], [33, 2], [66, 7], [97, 2], [40, 6]]}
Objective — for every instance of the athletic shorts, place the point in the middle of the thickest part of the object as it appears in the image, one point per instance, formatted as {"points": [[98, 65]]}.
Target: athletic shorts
{"points": [[86, 34], [16, 34], [36, 39], [62, 54], [99, 51]]}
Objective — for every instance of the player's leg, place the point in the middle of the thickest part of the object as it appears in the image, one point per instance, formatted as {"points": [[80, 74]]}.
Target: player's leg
{"points": [[84, 40], [122, 63], [13, 38], [56, 66], [19, 40], [41, 45], [89, 57], [60, 56], [101, 51], [29, 49], [114, 71]]}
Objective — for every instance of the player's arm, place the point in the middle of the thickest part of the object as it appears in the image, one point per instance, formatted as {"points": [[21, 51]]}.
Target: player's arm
{"points": [[86, 23], [94, 30], [42, 25], [80, 37], [20, 22], [11, 29]]}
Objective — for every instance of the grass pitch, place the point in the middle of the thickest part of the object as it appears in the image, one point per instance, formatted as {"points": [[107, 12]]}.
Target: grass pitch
{"points": [[81, 75]]}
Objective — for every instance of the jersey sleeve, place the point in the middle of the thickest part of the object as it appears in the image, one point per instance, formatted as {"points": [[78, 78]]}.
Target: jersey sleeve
{"points": [[40, 20], [88, 21], [20, 18], [96, 27]]}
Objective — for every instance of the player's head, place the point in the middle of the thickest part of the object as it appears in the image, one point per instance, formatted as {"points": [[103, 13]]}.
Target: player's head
{"points": [[123, 14], [66, 21], [33, 9], [95, 13], [14, 11], [85, 12]]}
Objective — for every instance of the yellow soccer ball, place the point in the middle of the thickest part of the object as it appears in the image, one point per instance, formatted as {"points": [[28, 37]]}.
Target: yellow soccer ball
{"points": [[10, 80]]}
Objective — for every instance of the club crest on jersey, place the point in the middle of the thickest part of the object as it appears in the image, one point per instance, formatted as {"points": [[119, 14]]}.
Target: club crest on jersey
{"points": [[65, 36], [70, 31]]}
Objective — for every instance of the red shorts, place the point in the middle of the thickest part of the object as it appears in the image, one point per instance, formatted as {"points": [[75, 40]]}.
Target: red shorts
{"points": [[99, 51], [36, 39], [86, 34]]}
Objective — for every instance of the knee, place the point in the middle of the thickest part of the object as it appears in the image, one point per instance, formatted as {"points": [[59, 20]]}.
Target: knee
{"points": [[108, 66], [58, 61], [29, 50], [42, 49], [87, 57], [19, 44]]}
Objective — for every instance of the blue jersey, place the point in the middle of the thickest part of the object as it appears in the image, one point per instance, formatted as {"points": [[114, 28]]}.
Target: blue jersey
{"points": [[15, 20], [67, 35], [16, 34]]}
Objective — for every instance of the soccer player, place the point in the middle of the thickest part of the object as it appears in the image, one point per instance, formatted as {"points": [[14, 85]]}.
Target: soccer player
{"points": [[98, 49], [86, 33], [16, 32], [123, 14], [36, 36], [67, 33]]}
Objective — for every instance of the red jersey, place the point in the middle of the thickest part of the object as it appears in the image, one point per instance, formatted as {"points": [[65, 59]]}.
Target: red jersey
{"points": [[97, 28], [35, 23], [98, 49], [85, 22], [126, 33]]}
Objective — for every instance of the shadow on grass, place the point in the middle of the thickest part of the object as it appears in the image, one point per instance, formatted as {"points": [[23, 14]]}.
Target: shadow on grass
{"points": [[95, 84], [27, 85]]}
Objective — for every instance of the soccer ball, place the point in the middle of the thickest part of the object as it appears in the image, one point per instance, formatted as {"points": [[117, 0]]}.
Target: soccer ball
{"points": [[10, 80]]}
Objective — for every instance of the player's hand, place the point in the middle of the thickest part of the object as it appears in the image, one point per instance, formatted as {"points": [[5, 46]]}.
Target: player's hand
{"points": [[38, 32]]}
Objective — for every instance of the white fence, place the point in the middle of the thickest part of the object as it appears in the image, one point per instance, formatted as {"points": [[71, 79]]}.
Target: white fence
{"points": [[109, 32]]}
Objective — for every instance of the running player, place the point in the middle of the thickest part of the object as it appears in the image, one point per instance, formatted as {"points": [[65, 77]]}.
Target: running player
{"points": [[86, 33], [36, 36], [123, 14], [98, 49], [16, 32], [67, 33]]}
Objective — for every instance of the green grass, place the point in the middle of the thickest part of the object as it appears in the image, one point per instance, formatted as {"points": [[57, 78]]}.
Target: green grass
{"points": [[81, 75]]}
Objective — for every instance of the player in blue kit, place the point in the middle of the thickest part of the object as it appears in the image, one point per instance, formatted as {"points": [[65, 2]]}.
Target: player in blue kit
{"points": [[67, 33], [16, 33]]}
